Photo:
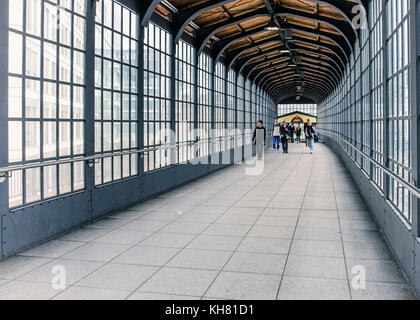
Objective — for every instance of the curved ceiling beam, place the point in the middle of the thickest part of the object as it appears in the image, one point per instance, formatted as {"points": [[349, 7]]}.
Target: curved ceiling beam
{"points": [[313, 85], [183, 18], [148, 7], [329, 74], [255, 66], [267, 71], [291, 92], [222, 45], [248, 59], [345, 8], [316, 86], [310, 85], [281, 90], [344, 28], [280, 96], [276, 78], [234, 55]]}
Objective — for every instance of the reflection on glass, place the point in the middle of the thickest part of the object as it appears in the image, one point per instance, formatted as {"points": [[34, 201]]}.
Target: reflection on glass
{"points": [[50, 182], [33, 183]]}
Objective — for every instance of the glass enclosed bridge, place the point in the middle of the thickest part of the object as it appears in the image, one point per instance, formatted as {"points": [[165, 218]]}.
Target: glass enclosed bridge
{"points": [[127, 156]]}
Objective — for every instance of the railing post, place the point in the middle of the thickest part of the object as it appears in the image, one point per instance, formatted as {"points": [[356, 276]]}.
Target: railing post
{"points": [[4, 98]]}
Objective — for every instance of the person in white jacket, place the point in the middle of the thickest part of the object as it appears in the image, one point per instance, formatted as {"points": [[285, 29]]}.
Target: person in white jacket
{"points": [[276, 136]]}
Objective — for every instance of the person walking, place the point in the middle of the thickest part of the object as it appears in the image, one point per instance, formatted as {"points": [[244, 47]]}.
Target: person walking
{"points": [[276, 136], [304, 131], [291, 132], [284, 133], [298, 133], [259, 138], [310, 132]]}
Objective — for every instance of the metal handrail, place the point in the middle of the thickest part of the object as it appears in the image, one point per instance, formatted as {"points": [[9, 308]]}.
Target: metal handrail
{"points": [[5, 172], [413, 189]]}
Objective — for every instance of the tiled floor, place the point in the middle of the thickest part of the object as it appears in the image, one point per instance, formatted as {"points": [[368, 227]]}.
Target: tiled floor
{"points": [[297, 231]]}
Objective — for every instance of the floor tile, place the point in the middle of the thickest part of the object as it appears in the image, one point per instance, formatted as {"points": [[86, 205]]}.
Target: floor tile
{"points": [[383, 291], [265, 245], [244, 286], [96, 252], [227, 230], [21, 290], [19, 265], [319, 267], [300, 288], [74, 271], [256, 263], [118, 276], [123, 237], [168, 240], [200, 259], [180, 282], [147, 256], [52, 249], [317, 248], [158, 296], [84, 293], [212, 242]]}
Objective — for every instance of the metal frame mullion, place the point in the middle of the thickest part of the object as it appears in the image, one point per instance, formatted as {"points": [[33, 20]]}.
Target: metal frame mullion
{"points": [[386, 180], [89, 130], [4, 96], [415, 109]]}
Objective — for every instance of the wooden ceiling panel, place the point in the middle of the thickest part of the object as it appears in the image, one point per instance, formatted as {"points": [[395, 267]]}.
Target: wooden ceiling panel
{"points": [[312, 31]]}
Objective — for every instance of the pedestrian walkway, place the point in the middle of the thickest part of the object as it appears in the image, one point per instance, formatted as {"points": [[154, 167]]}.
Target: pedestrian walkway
{"points": [[295, 232]]}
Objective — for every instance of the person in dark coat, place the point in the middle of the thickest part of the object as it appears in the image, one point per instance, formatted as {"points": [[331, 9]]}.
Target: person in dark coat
{"points": [[304, 131], [259, 139], [291, 132], [298, 133], [309, 133], [284, 133]]}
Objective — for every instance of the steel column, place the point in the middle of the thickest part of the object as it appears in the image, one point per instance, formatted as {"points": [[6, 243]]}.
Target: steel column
{"points": [[386, 181], [89, 138]]}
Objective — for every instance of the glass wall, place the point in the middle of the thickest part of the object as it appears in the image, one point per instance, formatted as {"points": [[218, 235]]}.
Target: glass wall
{"points": [[157, 96], [46, 96], [184, 97], [249, 124], [47, 93], [377, 84], [373, 99], [283, 109], [240, 91], [116, 90], [204, 83], [399, 111]]}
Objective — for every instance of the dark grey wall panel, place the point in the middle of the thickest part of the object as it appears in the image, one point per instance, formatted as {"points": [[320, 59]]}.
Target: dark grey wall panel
{"points": [[26, 227], [417, 265], [115, 196], [398, 235]]}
